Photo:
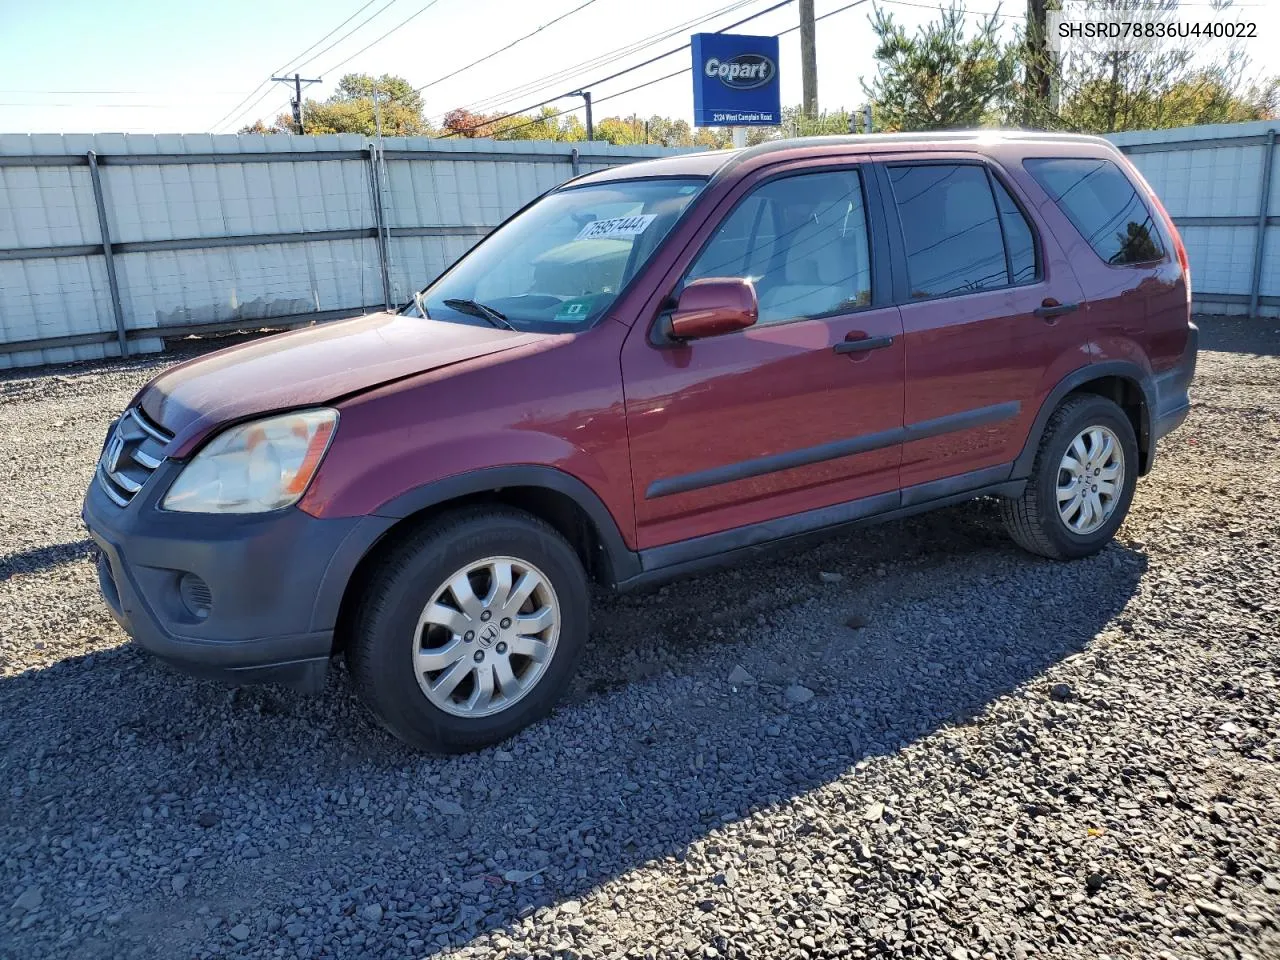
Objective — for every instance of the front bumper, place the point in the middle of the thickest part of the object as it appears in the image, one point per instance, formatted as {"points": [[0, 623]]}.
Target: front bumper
{"points": [[273, 582]]}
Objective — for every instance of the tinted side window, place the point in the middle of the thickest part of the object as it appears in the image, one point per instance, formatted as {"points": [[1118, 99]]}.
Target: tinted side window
{"points": [[1102, 204], [1017, 236], [951, 228], [802, 241]]}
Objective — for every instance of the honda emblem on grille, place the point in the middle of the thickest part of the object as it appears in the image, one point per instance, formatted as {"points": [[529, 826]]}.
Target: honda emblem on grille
{"points": [[111, 458]]}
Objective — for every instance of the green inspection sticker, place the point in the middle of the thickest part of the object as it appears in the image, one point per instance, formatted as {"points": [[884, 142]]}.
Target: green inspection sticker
{"points": [[576, 309]]}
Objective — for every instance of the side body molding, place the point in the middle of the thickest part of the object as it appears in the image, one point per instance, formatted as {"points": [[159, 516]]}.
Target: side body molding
{"points": [[623, 563]]}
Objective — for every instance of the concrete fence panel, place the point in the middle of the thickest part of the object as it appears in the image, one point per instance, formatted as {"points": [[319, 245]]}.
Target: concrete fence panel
{"points": [[111, 242]]}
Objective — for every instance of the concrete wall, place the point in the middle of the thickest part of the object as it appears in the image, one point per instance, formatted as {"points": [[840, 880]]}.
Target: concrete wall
{"points": [[219, 232], [1211, 180]]}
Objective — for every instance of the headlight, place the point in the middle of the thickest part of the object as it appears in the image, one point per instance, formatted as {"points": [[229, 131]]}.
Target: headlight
{"points": [[255, 467]]}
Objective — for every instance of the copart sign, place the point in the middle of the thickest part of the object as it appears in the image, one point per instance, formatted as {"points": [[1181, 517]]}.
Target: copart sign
{"points": [[735, 80]]}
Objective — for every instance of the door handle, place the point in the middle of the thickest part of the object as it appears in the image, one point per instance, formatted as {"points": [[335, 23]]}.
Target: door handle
{"points": [[863, 345], [1051, 308]]}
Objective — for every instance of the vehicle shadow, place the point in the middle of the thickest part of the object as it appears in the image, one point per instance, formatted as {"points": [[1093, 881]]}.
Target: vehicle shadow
{"points": [[898, 631], [43, 558], [1259, 336]]}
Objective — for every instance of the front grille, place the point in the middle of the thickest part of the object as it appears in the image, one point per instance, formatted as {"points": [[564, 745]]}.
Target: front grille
{"points": [[133, 451]]}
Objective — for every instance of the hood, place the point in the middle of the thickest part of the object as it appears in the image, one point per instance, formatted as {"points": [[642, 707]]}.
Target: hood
{"points": [[309, 366]]}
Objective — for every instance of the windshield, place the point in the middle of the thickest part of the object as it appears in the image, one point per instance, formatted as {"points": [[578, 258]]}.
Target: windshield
{"points": [[560, 264]]}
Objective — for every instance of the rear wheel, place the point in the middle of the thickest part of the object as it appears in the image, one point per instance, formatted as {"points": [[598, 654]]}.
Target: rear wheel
{"points": [[1081, 483], [470, 630]]}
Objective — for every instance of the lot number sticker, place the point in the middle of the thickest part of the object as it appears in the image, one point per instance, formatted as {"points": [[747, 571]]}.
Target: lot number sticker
{"points": [[616, 227]]}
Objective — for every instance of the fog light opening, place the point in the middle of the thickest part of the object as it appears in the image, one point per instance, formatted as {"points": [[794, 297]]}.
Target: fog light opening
{"points": [[196, 595]]}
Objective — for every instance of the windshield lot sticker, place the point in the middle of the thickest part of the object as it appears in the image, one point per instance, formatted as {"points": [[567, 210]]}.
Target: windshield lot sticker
{"points": [[576, 309], [616, 227]]}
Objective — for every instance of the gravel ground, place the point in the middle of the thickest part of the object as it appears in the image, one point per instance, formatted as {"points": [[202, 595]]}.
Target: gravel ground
{"points": [[915, 741]]}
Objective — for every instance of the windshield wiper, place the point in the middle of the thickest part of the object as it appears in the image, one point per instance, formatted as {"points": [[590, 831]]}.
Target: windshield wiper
{"points": [[478, 309]]}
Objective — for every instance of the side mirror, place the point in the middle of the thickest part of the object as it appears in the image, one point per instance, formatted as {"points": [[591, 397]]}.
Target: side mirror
{"points": [[712, 306]]}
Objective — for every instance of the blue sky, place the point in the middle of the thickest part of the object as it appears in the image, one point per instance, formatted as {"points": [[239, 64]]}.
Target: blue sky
{"points": [[173, 66]]}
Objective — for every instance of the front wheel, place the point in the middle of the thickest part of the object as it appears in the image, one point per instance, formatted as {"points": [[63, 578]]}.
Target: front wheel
{"points": [[1081, 483], [470, 629]]}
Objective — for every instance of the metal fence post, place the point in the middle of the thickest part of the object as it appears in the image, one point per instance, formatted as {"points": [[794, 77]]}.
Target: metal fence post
{"points": [[575, 160], [375, 184], [1259, 243], [96, 178]]}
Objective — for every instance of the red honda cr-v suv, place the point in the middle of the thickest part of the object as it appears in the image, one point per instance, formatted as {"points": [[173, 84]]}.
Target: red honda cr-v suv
{"points": [[648, 370]]}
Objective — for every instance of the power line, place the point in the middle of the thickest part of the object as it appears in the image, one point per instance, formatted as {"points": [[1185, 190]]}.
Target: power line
{"points": [[421, 10], [264, 85], [359, 10], [249, 109], [490, 56], [278, 111], [417, 13], [240, 109], [95, 106], [297, 82], [612, 55], [355, 29], [613, 76], [968, 13], [107, 92], [649, 83]]}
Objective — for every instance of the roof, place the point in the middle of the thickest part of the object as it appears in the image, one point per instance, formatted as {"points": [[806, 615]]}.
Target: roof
{"points": [[680, 165], [712, 162]]}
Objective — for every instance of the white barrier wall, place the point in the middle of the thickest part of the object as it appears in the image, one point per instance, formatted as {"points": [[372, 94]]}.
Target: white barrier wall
{"points": [[1220, 185], [214, 233]]}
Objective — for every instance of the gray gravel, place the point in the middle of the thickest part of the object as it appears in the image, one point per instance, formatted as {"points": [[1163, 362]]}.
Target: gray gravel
{"points": [[916, 741]]}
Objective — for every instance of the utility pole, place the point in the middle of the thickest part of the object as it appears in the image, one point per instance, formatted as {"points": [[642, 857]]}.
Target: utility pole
{"points": [[297, 82], [586, 97], [808, 58]]}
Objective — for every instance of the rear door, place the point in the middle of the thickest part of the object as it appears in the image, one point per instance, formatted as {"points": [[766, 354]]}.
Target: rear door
{"points": [[1137, 296], [801, 411], [988, 311]]}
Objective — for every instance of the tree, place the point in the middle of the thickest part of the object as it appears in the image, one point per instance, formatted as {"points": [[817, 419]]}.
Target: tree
{"points": [[547, 124], [1109, 104], [1160, 83], [278, 125], [617, 130], [461, 122], [351, 110], [940, 78]]}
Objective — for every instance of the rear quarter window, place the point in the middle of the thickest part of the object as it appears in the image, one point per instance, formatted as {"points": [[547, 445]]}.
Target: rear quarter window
{"points": [[1103, 205]]}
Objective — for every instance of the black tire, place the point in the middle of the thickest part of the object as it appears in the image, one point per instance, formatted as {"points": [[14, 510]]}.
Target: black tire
{"points": [[1033, 520], [380, 652]]}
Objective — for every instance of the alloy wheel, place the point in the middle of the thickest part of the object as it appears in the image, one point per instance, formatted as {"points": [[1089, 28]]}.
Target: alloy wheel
{"points": [[1090, 479], [486, 637]]}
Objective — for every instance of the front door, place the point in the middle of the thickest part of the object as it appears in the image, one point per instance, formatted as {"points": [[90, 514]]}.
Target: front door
{"points": [[801, 411]]}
